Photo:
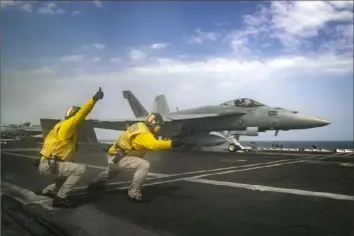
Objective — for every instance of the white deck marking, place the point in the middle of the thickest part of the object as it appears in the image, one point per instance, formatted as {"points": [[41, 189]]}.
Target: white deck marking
{"points": [[180, 174], [25, 196], [161, 176], [158, 176], [232, 160], [30, 197], [126, 182], [347, 164], [275, 189], [205, 175], [329, 162], [36, 157]]}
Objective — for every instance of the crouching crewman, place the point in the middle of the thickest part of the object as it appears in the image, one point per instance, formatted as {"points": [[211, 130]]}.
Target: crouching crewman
{"points": [[57, 154], [128, 152]]}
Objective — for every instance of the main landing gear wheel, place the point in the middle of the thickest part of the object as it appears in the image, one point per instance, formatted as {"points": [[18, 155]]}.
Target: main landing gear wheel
{"points": [[232, 147]]}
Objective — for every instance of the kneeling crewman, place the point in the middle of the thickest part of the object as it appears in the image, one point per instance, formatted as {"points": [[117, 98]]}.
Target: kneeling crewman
{"points": [[128, 152], [57, 154]]}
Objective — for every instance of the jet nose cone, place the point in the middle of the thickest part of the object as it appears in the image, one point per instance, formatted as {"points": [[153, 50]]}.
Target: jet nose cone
{"points": [[317, 122], [302, 121], [325, 122]]}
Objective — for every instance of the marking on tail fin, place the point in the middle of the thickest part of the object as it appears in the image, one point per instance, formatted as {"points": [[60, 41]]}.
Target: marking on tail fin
{"points": [[160, 105], [138, 109]]}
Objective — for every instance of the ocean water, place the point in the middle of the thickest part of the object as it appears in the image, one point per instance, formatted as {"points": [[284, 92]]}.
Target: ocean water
{"points": [[303, 144]]}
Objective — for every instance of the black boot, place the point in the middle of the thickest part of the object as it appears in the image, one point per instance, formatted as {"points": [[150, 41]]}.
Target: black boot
{"points": [[96, 186], [138, 199], [63, 202]]}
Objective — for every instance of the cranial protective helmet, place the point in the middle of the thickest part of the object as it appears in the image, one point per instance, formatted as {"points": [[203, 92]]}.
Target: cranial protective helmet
{"points": [[72, 111], [154, 121]]}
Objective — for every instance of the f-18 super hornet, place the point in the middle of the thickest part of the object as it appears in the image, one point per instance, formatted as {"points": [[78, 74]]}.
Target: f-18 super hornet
{"points": [[216, 124], [23, 130]]}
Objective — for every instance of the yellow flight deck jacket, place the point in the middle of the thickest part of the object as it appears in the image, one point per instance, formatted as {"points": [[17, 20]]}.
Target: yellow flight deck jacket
{"points": [[137, 140], [62, 139]]}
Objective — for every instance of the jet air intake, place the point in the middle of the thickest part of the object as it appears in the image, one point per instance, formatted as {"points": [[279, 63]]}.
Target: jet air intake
{"points": [[205, 140], [250, 131]]}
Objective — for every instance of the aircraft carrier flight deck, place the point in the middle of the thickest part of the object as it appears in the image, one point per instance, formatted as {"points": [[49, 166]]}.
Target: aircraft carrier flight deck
{"points": [[190, 194]]}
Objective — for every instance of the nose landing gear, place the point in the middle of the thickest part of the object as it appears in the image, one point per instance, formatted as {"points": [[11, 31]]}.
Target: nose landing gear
{"points": [[234, 145]]}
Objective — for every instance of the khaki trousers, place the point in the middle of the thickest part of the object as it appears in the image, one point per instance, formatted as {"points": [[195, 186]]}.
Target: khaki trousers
{"points": [[128, 162], [66, 175]]}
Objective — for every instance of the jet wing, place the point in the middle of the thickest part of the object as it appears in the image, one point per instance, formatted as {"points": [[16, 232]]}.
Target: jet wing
{"points": [[174, 124], [115, 124], [180, 117], [168, 129]]}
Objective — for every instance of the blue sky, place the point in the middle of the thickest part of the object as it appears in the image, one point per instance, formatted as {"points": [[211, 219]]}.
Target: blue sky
{"points": [[297, 55]]}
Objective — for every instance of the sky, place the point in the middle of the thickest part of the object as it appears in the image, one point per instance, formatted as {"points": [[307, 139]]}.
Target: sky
{"points": [[295, 55]]}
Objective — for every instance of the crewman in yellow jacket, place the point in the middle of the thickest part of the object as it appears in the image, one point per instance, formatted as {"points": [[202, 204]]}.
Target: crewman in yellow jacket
{"points": [[128, 152], [57, 154]]}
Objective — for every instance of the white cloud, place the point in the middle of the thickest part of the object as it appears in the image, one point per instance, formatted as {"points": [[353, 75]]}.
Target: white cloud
{"points": [[94, 45], [292, 23], [26, 7], [227, 78], [50, 8], [98, 3], [158, 46], [221, 75], [96, 59], [115, 59], [137, 55], [297, 18], [243, 71], [273, 80], [342, 4], [9, 3], [72, 58], [201, 36], [43, 71], [41, 7], [75, 13]]}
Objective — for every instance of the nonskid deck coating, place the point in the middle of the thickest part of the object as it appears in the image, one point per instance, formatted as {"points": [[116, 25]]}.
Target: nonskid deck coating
{"points": [[187, 208]]}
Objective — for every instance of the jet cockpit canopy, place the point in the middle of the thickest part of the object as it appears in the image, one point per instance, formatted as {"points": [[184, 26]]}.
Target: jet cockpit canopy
{"points": [[243, 102]]}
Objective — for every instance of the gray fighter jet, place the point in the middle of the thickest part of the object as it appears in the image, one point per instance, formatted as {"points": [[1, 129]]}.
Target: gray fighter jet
{"points": [[216, 124], [24, 130]]}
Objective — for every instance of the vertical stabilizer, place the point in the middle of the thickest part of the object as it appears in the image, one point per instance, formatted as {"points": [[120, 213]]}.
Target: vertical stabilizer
{"points": [[160, 105], [138, 109]]}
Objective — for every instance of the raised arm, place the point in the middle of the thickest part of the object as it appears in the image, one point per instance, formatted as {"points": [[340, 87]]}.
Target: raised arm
{"points": [[81, 115], [69, 126]]}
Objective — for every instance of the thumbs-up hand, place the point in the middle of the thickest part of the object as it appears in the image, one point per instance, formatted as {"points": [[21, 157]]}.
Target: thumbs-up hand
{"points": [[99, 95]]}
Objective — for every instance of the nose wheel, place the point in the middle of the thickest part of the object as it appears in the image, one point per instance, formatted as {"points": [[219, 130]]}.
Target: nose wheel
{"points": [[232, 147]]}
